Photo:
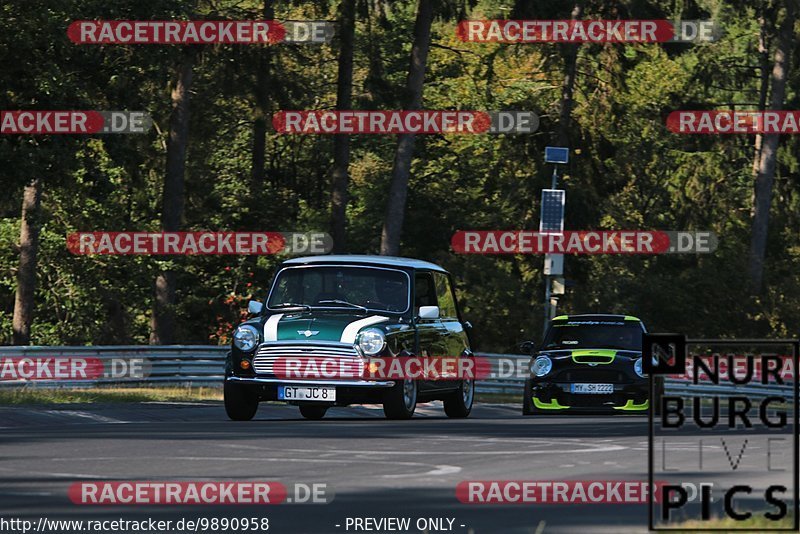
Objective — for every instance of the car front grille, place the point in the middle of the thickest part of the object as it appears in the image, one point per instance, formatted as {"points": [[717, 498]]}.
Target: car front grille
{"points": [[584, 401], [600, 376], [269, 353]]}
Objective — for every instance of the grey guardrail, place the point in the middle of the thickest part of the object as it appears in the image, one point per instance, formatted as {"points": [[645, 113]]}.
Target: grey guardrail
{"points": [[164, 364], [204, 365], [685, 387], [196, 364]]}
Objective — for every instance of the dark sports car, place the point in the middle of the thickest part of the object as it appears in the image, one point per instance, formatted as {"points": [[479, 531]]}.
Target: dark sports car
{"points": [[588, 363]]}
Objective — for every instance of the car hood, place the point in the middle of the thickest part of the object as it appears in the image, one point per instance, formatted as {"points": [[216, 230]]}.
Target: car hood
{"points": [[328, 327]]}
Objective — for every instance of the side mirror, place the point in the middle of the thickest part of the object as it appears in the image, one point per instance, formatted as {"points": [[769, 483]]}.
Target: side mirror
{"points": [[255, 307], [467, 325], [429, 312], [528, 347]]}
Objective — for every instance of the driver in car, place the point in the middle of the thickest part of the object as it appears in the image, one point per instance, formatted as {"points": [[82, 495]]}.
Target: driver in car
{"points": [[625, 339], [391, 293]]}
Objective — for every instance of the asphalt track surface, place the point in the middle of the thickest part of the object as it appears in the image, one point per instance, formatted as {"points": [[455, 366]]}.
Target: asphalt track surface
{"points": [[377, 468]]}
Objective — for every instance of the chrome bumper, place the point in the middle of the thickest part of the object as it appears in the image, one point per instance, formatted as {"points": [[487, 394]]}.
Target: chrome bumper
{"points": [[311, 382]]}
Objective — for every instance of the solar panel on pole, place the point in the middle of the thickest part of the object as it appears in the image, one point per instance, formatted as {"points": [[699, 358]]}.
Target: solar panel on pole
{"points": [[556, 154], [552, 214]]}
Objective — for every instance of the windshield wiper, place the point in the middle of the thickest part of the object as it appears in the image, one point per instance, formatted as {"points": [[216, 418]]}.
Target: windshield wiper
{"points": [[291, 305], [344, 302]]}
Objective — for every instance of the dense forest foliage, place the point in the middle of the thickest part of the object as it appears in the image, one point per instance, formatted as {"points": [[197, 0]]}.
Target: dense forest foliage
{"points": [[608, 102]]}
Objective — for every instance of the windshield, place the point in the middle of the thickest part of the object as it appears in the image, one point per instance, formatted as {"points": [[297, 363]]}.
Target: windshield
{"points": [[578, 335], [341, 287]]}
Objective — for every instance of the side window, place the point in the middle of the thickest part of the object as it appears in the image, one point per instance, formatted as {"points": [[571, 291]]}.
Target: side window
{"points": [[424, 291], [444, 296]]}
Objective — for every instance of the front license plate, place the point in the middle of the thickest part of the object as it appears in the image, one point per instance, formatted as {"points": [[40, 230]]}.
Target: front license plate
{"points": [[592, 389], [309, 393]]}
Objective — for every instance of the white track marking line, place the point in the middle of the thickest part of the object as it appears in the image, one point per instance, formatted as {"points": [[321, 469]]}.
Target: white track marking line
{"points": [[384, 452], [97, 418], [439, 471], [25, 494], [58, 475]]}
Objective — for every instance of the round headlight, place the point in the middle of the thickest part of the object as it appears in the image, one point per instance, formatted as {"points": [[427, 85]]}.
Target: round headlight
{"points": [[541, 365], [637, 367], [245, 338], [371, 341]]}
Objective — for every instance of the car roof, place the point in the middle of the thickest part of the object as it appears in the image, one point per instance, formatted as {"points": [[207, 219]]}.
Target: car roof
{"points": [[365, 259], [597, 316]]}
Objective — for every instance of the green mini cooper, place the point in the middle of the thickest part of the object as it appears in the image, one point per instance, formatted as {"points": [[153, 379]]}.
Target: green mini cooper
{"points": [[336, 316]]}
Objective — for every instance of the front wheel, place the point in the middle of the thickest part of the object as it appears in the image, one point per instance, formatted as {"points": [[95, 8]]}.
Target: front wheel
{"points": [[459, 405], [401, 400], [240, 404], [311, 411]]}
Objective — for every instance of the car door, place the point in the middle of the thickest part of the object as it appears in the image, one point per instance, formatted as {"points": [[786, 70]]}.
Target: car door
{"points": [[429, 331], [453, 337]]}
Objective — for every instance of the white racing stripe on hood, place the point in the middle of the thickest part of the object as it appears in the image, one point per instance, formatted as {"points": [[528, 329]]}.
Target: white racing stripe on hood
{"points": [[271, 327], [351, 331]]}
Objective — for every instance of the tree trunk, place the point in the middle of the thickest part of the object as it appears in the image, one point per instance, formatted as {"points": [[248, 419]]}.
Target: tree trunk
{"points": [[341, 142], [763, 87], [570, 54], [263, 78], [785, 42], [398, 190], [162, 324], [28, 251]]}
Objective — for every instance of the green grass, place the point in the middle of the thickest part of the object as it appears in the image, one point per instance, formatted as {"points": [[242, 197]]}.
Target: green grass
{"points": [[34, 395], [755, 523]]}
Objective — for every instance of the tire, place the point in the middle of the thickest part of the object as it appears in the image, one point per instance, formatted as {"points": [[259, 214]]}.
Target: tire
{"points": [[313, 411], [401, 400], [527, 403], [459, 404], [240, 404]]}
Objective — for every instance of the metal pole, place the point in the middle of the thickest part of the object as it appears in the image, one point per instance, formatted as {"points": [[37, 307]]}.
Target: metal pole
{"points": [[546, 303]]}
